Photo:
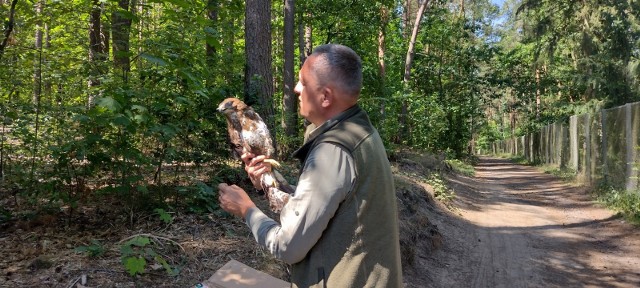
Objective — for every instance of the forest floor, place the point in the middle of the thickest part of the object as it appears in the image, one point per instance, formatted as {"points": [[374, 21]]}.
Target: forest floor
{"points": [[508, 226]]}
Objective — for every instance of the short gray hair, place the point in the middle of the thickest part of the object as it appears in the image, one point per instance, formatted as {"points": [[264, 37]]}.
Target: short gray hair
{"points": [[339, 64]]}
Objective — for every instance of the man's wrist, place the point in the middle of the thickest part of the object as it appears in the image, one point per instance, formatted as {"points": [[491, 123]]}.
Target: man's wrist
{"points": [[247, 211]]}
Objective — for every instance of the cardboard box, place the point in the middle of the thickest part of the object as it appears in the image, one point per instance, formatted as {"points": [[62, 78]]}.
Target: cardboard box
{"points": [[237, 275]]}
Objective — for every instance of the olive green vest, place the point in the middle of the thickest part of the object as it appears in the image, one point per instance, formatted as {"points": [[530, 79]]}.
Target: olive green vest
{"points": [[360, 246]]}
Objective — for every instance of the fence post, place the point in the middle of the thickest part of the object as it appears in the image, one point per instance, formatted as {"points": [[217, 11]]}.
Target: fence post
{"points": [[545, 143], [603, 124], [526, 146], [560, 144], [555, 147], [587, 148], [631, 180], [573, 140], [535, 145]]}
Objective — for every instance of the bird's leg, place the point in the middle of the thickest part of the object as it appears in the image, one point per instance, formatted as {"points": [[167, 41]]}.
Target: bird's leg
{"points": [[273, 163], [277, 199]]}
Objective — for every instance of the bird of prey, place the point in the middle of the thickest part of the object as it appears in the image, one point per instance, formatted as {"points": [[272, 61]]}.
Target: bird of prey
{"points": [[248, 132]]}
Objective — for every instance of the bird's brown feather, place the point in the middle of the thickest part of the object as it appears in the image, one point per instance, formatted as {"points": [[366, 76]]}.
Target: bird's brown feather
{"points": [[248, 132]]}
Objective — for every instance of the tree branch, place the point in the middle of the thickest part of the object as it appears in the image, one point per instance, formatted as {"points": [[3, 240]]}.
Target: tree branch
{"points": [[7, 31]]}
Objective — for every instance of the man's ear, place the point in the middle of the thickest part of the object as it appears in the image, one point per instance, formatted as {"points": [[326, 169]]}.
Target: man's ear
{"points": [[327, 96]]}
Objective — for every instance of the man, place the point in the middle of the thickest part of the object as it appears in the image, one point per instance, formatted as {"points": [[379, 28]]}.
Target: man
{"points": [[340, 227]]}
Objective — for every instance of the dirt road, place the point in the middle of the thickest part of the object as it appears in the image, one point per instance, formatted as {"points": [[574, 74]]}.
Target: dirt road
{"points": [[517, 227]]}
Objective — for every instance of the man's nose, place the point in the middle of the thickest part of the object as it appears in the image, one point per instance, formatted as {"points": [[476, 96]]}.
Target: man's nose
{"points": [[298, 89]]}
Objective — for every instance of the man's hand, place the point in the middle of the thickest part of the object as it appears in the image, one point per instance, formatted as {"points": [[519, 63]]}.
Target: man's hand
{"points": [[255, 167], [234, 200]]}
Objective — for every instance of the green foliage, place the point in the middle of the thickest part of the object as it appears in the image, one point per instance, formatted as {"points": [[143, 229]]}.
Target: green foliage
{"points": [[625, 202], [566, 174], [287, 145], [152, 131], [162, 112], [440, 190], [5, 215], [96, 249], [164, 216], [136, 253], [205, 199], [518, 159], [461, 167], [561, 58], [135, 265]]}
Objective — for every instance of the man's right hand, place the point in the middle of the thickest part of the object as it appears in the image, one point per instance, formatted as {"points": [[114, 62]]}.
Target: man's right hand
{"points": [[234, 200], [255, 167]]}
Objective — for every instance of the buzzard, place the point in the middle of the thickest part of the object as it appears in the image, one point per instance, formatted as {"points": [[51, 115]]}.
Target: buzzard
{"points": [[248, 132]]}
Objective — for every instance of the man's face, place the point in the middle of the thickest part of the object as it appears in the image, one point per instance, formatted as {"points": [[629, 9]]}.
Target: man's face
{"points": [[309, 92]]}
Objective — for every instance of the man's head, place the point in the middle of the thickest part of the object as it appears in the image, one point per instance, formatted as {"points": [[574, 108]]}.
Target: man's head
{"points": [[330, 82]]}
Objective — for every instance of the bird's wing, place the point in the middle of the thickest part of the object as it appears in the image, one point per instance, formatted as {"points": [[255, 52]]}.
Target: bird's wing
{"points": [[256, 134], [235, 137]]}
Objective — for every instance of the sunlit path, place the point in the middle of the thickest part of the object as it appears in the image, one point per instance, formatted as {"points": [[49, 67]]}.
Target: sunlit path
{"points": [[523, 228]]}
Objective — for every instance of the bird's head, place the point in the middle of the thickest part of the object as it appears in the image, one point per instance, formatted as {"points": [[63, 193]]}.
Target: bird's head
{"points": [[231, 105]]}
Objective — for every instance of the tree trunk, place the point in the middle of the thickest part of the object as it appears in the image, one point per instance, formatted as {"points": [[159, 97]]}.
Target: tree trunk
{"points": [[258, 74], [139, 10], [212, 14], [412, 43], [305, 45], [405, 18], [277, 37], [228, 42], [538, 93], [96, 50], [308, 39], [382, 69], [289, 103], [384, 19], [304, 42], [301, 44], [105, 36], [47, 47], [37, 82], [305, 39], [407, 71], [120, 29], [37, 66], [8, 27]]}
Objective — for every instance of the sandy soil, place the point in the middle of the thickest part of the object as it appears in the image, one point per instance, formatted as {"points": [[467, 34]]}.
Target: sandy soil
{"points": [[518, 227]]}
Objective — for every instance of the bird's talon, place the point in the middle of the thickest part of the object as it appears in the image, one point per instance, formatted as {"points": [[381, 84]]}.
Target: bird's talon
{"points": [[273, 163]]}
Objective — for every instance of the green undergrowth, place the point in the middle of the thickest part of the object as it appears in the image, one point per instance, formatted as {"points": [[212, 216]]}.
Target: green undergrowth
{"points": [[461, 167], [627, 203], [566, 174], [441, 191], [518, 159]]}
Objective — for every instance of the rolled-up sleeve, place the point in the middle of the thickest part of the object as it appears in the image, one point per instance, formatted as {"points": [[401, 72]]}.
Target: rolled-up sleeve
{"points": [[326, 179]]}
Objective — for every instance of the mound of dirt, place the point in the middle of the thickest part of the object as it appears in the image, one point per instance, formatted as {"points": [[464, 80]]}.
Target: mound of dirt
{"points": [[418, 235]]}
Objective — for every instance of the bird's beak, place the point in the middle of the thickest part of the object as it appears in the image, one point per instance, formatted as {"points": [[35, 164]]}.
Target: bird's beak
{"points": [[220, 109]]}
